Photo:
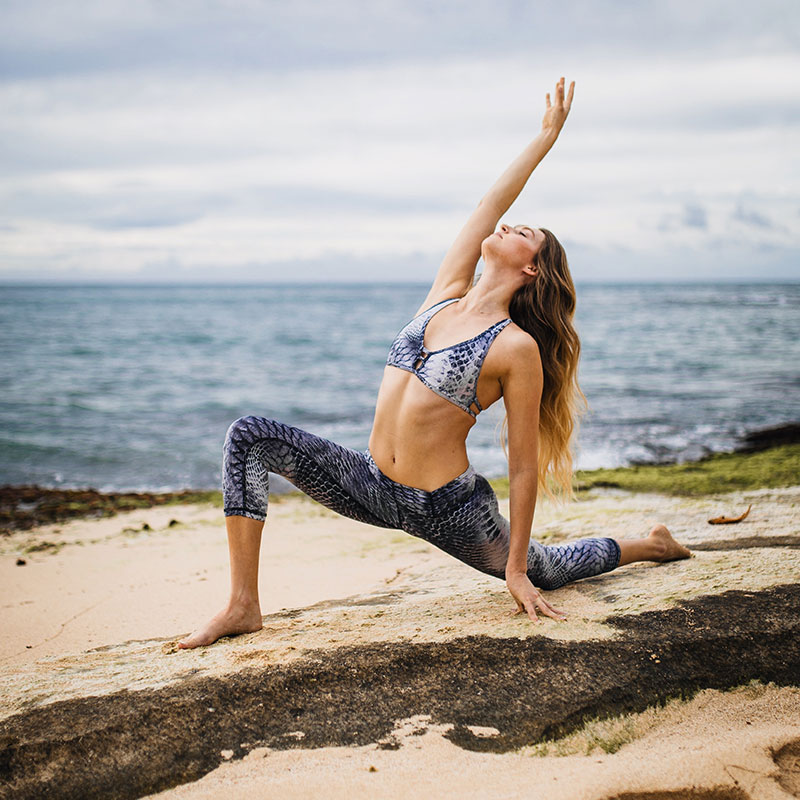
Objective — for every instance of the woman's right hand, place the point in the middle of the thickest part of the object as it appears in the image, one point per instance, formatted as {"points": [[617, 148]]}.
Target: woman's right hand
{"points": [[556, 113], [529, 598]]}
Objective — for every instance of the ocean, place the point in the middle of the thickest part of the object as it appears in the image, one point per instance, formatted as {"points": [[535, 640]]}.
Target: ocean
{"points": [[133, 387]]}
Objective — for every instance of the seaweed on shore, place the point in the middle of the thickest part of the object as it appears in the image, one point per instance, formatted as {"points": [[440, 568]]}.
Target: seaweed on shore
{"points": [[722, 472], [719, 473], [25, 507]]}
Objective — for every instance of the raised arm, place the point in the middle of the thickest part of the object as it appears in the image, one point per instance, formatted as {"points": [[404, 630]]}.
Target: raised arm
{"points": [[457, 270]]}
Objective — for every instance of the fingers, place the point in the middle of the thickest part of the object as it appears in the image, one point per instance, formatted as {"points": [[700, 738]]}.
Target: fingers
{"points": [[528, 599], [531, 609], [568, 104], [560, 95], [555, 614], [544, 607]]}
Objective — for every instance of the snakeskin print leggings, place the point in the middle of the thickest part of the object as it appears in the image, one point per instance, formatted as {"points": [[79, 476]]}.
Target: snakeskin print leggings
{"points": [[461, 517]]}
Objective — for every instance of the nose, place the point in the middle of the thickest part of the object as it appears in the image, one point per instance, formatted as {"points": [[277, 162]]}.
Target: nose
{"points": [[505, 228]]}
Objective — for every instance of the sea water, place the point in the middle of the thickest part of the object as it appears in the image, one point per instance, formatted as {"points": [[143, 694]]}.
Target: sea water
{"points": [[134, 387]]}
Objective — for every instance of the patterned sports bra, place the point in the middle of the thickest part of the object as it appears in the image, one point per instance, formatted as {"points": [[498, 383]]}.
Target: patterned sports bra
{"points": [[451, 372]]}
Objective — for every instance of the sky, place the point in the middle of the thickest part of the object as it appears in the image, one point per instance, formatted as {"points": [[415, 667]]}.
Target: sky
{"points": [[258, 141]]}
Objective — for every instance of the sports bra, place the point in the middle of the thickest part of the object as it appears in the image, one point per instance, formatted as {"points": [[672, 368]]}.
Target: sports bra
{"points": [[451, 372]]}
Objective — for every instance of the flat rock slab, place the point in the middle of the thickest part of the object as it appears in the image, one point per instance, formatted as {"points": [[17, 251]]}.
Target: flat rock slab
{"points": [[430, 639], [525, 690]]}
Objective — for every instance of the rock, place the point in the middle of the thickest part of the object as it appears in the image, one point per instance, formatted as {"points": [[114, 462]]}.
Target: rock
{"points": [[140, 742], [765, 438]]}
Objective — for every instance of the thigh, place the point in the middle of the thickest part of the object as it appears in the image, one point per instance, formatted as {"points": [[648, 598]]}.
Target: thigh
{"points": [[476, 533], [338, 477], [473, 531]]}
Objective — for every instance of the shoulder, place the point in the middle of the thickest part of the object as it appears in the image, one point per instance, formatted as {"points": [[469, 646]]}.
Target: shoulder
{"points": [[518, 361], [517, 344], [520, 370]]}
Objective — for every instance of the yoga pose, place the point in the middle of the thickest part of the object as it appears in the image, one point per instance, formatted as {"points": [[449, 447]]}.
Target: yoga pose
{"points": [[509, 335]]}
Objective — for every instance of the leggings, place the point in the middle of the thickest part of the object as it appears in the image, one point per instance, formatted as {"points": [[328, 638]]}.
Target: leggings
{"points": [[461, 517]]}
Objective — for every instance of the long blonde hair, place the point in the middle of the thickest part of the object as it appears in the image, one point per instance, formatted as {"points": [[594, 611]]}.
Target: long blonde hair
{"points": [[545, 308]]}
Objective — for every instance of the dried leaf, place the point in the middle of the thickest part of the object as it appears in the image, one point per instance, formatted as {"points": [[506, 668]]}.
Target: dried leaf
{"points": [[729, 520]]}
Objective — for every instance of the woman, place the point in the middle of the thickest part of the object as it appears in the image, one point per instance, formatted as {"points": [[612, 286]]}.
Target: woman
{"points": [[510, 335]]}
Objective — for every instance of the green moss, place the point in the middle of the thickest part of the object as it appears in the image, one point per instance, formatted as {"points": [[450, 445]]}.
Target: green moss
{"points": [[723, 472], [213, 497]]}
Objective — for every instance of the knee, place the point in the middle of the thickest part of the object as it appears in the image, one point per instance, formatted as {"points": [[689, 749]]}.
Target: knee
{"points": [[249, 427]]}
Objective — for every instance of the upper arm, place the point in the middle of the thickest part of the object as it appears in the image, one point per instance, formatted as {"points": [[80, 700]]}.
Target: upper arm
{"points": [[522, 394], [457, 270]]}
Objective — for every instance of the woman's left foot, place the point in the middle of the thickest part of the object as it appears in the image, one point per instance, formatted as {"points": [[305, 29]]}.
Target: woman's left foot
{"points": [[232, 620], [670, 550]]}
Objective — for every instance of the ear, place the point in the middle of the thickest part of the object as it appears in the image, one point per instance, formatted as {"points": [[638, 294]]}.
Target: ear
{"points": [[531, 269]]}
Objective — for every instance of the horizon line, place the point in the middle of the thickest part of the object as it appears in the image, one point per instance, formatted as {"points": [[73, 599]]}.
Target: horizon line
{"points": [[328, 284]]}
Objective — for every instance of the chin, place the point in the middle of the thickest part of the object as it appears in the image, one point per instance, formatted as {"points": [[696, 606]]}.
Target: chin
{"points": [[489, 241]]}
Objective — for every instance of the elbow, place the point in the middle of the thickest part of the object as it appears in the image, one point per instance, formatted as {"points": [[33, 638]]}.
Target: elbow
{"points": [[487, 202], [529, 474]]}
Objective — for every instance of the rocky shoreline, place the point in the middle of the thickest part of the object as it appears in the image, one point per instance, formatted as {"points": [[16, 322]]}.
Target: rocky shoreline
{"points": [[143, 742], [25, 507]]}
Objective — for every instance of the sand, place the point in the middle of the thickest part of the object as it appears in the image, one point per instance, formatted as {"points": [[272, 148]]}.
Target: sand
{"points": [[100, 604]]}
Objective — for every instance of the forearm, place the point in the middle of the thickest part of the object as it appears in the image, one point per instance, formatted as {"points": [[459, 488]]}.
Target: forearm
{"points": [[507, 187], [523, 487]]}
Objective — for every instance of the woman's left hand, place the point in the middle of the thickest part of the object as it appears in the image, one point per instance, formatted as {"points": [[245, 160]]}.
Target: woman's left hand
{"points": [[556, 113], [529, 598]]}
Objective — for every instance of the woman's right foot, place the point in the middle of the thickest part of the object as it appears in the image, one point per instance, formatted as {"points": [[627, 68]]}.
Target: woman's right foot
{"points": [[230, 621], [669, 550]]}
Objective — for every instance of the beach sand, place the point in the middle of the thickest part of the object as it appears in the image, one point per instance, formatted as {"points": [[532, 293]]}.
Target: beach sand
{"points": [[387, 668]]}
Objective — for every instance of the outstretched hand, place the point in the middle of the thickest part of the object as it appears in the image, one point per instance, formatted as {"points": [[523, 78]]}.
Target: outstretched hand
{"points": [[528, 598], [556, 113]]}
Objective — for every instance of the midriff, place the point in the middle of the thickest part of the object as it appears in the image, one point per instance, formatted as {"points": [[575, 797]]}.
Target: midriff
{"points": [[418, 437]]}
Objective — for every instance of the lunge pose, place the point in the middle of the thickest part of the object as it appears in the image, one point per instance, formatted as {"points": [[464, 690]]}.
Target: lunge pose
{"points": [[509, 335]]}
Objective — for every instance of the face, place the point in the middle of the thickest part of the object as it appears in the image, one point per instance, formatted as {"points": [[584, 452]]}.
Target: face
{"points": [[518, 244]]}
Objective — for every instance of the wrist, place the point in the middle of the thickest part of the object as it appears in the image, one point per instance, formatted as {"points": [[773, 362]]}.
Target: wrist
{"points": [[514, 572], [550, 134]]}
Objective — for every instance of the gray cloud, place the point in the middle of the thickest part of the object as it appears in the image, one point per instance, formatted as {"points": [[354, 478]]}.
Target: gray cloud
{"points": [[691, 215], [742, 214], [48, 37], [695, 216], [174, 141], [140, 206]]}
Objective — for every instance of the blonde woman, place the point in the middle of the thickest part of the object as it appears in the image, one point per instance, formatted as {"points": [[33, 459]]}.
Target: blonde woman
{"points": [[510, 335]]}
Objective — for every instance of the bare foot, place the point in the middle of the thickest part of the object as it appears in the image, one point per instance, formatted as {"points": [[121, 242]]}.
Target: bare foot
{"points": [[231, 620], [672, 550]]}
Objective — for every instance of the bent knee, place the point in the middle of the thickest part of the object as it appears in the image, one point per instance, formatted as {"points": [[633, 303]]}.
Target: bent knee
{"points": [[249, 427]]}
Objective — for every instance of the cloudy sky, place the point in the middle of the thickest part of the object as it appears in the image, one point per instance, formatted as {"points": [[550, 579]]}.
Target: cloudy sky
{"points": [[252, 140]]}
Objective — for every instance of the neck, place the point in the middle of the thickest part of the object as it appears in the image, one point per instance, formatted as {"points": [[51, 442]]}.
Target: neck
{"points": [[491, 295]]}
